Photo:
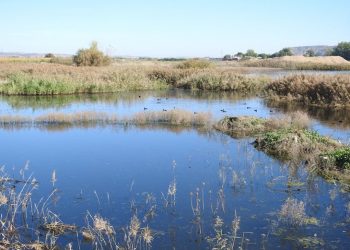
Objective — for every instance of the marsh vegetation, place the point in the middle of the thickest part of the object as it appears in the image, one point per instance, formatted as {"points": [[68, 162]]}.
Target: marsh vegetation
{"points": [[155, 169]]}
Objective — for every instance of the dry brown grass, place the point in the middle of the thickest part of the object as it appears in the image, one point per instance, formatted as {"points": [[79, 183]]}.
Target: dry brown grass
{"points": [[251, 125], [311, 89], [316, 59], [172, 117], [76, 118], [301, 63]]}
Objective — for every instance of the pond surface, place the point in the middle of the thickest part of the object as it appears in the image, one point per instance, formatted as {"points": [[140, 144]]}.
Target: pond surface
{"points": [[121, 171]]}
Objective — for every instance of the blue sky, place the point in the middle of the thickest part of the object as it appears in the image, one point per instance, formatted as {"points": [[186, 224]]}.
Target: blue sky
{"points": [[169, 28]]}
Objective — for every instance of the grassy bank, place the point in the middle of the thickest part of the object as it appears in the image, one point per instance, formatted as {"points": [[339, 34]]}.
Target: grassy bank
{"points": [[289, 140], [311, 89], [26, 84], [53, 79]]}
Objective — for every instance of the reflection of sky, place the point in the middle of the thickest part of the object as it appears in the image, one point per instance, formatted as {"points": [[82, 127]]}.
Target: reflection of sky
{"points": [[107, 161], [129, 104]]}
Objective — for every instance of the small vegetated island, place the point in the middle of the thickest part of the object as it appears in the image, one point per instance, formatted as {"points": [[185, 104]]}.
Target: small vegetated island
{"points": [[290, 140]]}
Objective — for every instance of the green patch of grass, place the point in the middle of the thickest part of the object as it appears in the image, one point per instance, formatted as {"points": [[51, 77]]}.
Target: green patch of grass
{"points": [[341, 157], [295, 145], [26, 84]]}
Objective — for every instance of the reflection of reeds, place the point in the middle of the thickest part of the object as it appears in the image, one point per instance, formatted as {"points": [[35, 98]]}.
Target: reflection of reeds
{"points": [[172, 117], [91, 118]]}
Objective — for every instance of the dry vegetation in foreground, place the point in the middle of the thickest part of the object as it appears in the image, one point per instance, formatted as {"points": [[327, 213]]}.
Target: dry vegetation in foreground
{"points": [[312, 89], [89, 118], [30, 224], [289, 139], [301, 63]]}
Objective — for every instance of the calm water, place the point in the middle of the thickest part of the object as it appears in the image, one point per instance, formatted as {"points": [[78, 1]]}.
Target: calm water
{"points": [[119, 171]]}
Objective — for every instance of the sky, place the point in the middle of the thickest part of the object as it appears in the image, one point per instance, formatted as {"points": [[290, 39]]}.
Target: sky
{"points": [[171, 28]]}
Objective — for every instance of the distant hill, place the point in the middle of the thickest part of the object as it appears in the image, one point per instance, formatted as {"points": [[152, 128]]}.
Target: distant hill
{"points": [[320, 50], [28, 55]]}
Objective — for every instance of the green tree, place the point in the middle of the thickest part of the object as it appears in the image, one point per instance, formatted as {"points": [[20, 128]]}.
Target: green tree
{"points": [[285, 52], [251, 53], [343, 50], [227, 58], [310, 53], [263, 55], [49, 55], [239, 54], [91, 57]]}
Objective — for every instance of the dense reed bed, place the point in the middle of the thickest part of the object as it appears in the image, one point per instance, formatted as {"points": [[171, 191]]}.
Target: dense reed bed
{"points": [[54, 79], [312, 89]]}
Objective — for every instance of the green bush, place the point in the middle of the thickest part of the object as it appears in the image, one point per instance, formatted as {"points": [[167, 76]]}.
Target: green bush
{"points": [[310, 53], [49, 55], [343, 50], [91, 57], [341, 157], [251, 53]]}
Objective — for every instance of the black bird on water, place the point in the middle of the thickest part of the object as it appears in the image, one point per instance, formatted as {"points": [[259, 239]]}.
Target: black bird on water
{"points": [[165, 110], [249, 107], [139, 96], [195, 113], [271, 111], [255, 110], [145, 108], [223, 110]]}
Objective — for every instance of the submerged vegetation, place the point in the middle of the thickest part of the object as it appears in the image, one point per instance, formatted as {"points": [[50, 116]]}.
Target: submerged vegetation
{"points": [[31, 223]]}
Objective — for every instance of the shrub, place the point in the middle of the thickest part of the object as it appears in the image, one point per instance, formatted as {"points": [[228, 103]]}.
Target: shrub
{"points": [[251, 53], [310, 53], [283, 52], [312, 89], [49, 55], [91, 57], [195, 64], [343, 50], [341, 157]]}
